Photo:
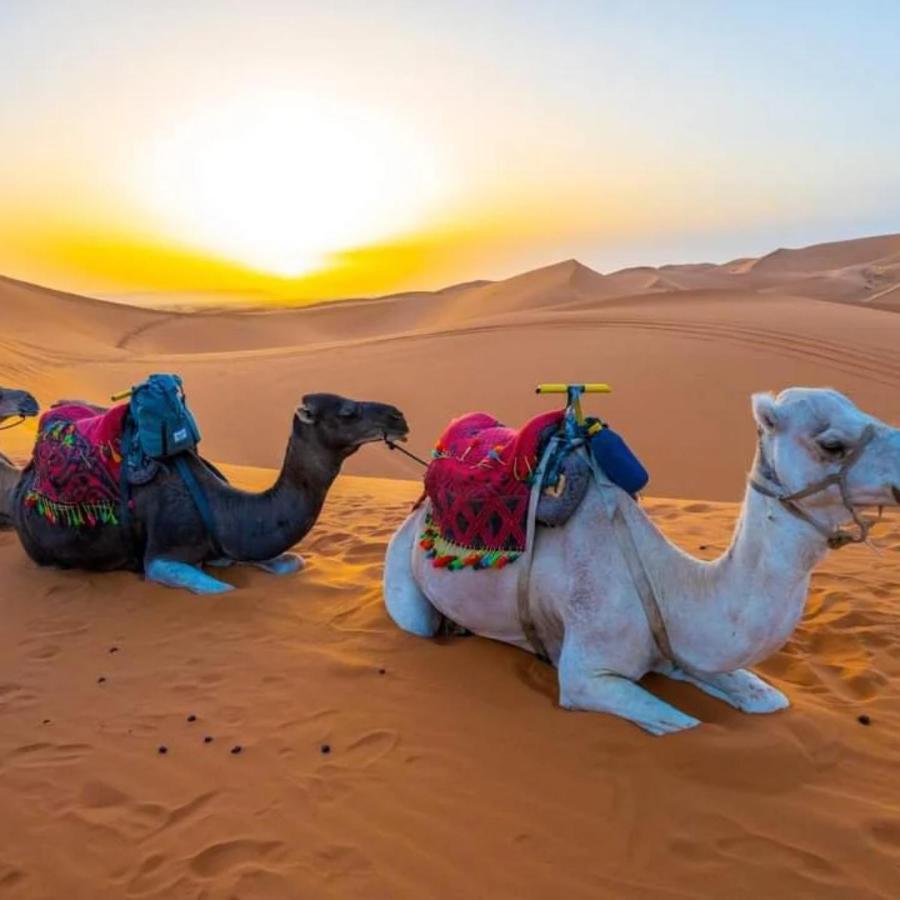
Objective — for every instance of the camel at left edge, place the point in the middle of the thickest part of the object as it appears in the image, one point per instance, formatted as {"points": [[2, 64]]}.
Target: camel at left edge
{"points": [[14, 404]]}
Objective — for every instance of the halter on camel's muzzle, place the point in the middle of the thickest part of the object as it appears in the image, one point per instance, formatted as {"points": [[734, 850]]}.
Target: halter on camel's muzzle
{"points": [[838, 537]]}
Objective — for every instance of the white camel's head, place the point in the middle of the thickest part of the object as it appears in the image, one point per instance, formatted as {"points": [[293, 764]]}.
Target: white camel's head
{"points": [[809, 434]]}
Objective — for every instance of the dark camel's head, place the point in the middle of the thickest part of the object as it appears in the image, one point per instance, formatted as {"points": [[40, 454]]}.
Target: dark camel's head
{"points": [[344, 425], [16, 403]]}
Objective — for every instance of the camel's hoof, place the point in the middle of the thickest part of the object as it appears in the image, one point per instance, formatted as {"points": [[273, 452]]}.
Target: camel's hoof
{"points": [[183, 575], [763, 699], [669, 725], [286, 564]]}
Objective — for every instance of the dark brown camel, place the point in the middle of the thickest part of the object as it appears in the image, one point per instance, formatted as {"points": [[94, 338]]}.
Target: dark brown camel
{"points": [[166, 536]]}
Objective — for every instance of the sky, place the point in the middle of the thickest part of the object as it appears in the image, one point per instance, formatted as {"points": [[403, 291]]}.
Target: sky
{"points": [[306, 150]]}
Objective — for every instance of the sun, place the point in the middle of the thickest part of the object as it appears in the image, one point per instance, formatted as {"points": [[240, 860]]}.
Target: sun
{"points": [[281, 181]]}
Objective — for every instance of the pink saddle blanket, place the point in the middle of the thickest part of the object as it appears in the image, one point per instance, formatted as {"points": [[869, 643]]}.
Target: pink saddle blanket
{"points": [[77, 463], [479, 483]]}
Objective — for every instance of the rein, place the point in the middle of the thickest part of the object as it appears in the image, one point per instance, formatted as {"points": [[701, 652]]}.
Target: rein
{"points": [[394, 446], [837, 537], [20, 420]]}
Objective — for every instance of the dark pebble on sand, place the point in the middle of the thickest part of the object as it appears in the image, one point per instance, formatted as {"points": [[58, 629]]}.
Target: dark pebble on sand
{"points": [[163, 749], [325, 748], [113, 649], [101, 679], [864, 719], [192, 718], [207, 740], [382, 671], [237, 748], [46, 721], [704, 546]]}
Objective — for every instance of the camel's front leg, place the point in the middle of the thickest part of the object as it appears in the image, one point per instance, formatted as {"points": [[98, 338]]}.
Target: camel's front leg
{"points": [[173, 573], [740, 688], [585, 685], [286, 564]]}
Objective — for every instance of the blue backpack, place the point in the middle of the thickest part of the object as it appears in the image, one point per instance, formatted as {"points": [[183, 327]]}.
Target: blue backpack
{"points": [[616, 458], [163, 424]]}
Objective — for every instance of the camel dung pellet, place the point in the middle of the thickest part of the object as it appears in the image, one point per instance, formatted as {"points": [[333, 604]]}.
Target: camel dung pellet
{"points": [[208, 739], [382, 671], [237, 748], [101, 679], [864, 720], [113, 649], [192, 718], [162, 749], [325, 748]]}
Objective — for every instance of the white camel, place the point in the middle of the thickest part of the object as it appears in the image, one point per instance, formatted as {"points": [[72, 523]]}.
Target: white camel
{"points": [[607, 614]]}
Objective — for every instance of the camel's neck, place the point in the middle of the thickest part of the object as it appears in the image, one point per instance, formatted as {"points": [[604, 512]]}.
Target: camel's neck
{"points": [[262, 526], [740, 608]]}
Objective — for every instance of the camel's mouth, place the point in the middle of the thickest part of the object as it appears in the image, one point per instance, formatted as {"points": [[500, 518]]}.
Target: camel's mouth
{"points": [[18, 404]]}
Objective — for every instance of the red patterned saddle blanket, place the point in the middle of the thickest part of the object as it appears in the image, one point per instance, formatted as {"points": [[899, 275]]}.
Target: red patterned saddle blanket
{"points": [[479, 483], [77, 463]]}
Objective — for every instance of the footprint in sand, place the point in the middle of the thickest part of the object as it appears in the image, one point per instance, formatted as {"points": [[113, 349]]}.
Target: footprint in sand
{"points": [[47, 754], [14, 697], [885, 834], [219, 858], [339, 861], [148, 876], [103, 804], [10, 876], [44, 652], [755, 847], [369, 748]]}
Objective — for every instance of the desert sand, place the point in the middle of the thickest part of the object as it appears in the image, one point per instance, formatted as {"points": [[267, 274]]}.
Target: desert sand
{"points": [[376, 765]]}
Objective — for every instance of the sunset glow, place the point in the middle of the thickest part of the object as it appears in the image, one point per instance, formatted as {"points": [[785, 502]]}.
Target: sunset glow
{"points": [[302, 152], [280, 181]]}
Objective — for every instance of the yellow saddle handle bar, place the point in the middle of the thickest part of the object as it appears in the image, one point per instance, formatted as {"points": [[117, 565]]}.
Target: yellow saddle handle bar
{"points": [[573, 394], [565, 388]]}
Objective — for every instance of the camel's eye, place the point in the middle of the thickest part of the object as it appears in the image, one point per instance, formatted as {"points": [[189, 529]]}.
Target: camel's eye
{"points": [[833, 448], [347, 411]]}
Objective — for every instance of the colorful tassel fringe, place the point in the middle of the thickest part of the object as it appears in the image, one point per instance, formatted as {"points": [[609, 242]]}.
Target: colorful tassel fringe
{"points": [[73, 515], [445, 555]]}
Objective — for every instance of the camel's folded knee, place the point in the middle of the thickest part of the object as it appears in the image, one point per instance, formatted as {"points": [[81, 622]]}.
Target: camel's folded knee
{"points": [[406, 604]]}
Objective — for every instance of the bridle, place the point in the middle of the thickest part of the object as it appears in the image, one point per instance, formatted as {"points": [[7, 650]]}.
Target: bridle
{"points": [[837, 537], [18, 421]]}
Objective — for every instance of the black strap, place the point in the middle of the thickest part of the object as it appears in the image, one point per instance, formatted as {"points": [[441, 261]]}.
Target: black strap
{"points": [[124, 484], [198, 496]]}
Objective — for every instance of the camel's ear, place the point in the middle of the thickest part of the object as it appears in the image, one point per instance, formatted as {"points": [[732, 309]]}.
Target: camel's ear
{"points": [[305, 414], [765, 411]]}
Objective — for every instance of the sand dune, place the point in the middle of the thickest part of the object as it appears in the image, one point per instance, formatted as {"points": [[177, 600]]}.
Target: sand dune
{"points": [[376, 765], [683, 346]]}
